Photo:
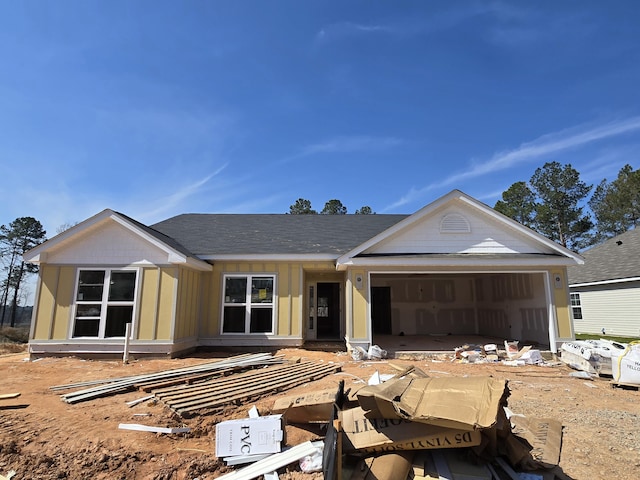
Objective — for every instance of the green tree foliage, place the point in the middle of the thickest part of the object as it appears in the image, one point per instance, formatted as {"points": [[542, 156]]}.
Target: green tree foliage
{"points": [[301, 207], [334, 207], [551, 204], [366, 210], [559, 215], [616, 205], [19, 236], [518, 202]]}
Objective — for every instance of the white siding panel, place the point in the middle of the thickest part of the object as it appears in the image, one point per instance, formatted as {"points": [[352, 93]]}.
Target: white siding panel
{"points": [[111, 244], [617, 310], [486, 236]]}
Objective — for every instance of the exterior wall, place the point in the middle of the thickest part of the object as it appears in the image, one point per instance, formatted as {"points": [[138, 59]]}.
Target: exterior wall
{"points": [[52, 310], [289, 292], [156, 303], [614, 307], [188, 305], [564, 318]]}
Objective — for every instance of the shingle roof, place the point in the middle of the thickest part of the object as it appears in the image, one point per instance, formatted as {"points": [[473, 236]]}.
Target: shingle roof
{"points": [[617, 258], [260, 234]]}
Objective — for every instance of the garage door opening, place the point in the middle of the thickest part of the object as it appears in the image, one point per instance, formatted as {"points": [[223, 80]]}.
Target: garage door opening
{"points": [[494, 306]]}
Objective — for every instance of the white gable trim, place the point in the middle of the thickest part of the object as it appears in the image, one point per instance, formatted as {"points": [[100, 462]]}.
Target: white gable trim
{"points": [[567, 255], [39, 254]]}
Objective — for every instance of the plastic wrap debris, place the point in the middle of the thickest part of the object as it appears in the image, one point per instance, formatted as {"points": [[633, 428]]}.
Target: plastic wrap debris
{"points": [[626, 365], [313, 462], [376, 353], [511, 347], [593, 356]]}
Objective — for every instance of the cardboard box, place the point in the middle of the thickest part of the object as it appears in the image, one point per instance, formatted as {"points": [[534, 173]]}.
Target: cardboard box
{"points": [[467, 403], [366, 434], [387, 465], [250, 436], [306, 408]]}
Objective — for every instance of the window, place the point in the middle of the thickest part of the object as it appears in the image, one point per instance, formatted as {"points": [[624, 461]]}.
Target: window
{"points": [[105, 301], [576, 306], [248, 304]]}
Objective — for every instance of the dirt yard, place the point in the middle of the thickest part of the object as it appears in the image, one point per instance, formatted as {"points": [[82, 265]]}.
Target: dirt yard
{"points": [[42, 437]]}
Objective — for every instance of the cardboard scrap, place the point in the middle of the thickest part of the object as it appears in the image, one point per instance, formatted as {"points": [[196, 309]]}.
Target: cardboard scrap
{"points": [[388, 465], [309, 407], [468, 403], [367, 434], [544, 435]]}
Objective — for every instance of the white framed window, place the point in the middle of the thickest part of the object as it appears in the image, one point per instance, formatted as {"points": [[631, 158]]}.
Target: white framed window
{"points": [[105, 302], [576, 306], [248, 304]]}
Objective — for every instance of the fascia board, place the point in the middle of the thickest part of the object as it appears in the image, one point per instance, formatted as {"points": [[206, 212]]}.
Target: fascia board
{"points": [[449, 262], [303, 257], [604, 282]]}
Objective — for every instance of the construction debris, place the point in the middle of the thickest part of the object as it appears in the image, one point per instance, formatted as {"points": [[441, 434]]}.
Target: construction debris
{"points": [[592, 356], [415, 428], [148, 428]]}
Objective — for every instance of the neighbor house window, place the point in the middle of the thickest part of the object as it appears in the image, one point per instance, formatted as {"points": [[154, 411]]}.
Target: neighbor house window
{"points": [[105, 300], [576, 306], [248, 304]]}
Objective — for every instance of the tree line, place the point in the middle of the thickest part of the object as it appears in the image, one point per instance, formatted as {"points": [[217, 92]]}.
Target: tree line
{"points": [[302, 206], [18, 237], [554, 203]]}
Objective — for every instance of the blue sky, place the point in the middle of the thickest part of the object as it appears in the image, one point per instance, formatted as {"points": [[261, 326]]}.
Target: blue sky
{"points": [[156, 108]]}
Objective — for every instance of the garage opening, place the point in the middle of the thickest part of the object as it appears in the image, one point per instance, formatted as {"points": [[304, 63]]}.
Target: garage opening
{"points": [[509, 306]]}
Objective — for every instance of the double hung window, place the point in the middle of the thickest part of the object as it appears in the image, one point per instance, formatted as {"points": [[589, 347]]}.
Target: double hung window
{"points": [[105, 301], [576, 306], [248, 304]]}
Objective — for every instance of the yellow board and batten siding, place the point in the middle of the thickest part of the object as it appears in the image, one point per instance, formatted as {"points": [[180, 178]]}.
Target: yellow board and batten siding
{"points": [[289, 293], [561, 300]]}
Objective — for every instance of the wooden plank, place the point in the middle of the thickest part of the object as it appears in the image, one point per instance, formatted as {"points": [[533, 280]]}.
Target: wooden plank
{"points": [[224, 398], [237, 383], [221, 391], [7, 396], [148, 428]]}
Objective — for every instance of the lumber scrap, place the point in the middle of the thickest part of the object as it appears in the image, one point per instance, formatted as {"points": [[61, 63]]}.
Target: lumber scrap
{"points": [[107, 387], [217, 393], [152, 429], [8, 396]]}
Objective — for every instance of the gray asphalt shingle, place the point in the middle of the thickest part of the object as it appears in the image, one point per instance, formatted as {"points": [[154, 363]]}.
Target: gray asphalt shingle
{"points": [[617, 258], [242, 234]]}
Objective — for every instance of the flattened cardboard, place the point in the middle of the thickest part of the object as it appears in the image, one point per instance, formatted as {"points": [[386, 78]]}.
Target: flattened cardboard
{"points": [[544, 435], [366, 434], [249, 436], [466, 403]]}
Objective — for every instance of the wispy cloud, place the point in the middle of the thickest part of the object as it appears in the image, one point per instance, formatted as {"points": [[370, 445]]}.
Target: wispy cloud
{"points": [[173, 201], [542, 147], [347, 144], [345, 29]]}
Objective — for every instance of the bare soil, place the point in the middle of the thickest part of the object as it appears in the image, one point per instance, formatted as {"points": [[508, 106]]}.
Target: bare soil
{"points": [[42, 437]]}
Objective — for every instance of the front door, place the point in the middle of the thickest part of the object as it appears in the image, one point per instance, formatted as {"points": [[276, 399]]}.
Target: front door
{"points": [[328, 311]]}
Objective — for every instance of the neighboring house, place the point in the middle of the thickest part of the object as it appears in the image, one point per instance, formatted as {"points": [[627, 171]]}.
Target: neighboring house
{"points": [[605, 291], [454, 267]]}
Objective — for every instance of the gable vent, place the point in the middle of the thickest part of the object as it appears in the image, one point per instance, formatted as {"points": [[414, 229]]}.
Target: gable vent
{"points": [[454, 223]]}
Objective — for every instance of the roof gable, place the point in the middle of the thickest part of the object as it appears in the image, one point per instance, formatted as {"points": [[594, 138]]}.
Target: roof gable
{"points": [[458, 224], [112, 238]]}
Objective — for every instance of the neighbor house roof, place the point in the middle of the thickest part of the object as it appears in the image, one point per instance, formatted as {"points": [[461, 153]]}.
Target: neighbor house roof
{"points": [[616, 259], [211, 235]]}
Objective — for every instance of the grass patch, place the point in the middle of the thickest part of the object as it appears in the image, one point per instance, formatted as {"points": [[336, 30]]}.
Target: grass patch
{"points": [[14, 335], [595, 336]]}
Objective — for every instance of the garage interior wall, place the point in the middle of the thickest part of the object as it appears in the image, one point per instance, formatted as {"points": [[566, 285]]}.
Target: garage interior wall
{"points": [[503, 305]]}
